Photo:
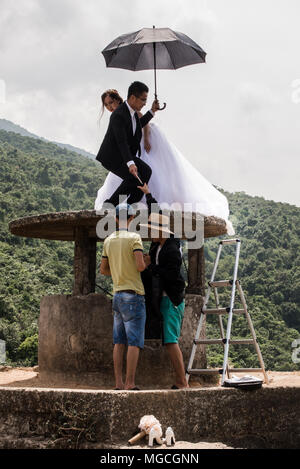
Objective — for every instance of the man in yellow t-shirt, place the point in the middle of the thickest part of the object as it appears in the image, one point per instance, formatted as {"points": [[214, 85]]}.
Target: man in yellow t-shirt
{"points": [[123, 259]]}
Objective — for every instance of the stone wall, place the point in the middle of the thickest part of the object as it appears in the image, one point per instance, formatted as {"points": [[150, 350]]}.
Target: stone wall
{"points": [[41, 418]]}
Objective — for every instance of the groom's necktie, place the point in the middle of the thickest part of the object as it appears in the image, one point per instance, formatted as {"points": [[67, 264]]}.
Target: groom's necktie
{"points": [[137, 123], [137, 132]]}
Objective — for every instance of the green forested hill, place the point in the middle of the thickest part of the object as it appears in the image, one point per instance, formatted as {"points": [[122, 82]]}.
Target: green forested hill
{"points": [[40, 177], [9, 126]]}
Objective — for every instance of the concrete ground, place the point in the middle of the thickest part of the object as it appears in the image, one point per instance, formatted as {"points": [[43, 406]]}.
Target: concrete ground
{"points": [[29, 377], [178, 445]]}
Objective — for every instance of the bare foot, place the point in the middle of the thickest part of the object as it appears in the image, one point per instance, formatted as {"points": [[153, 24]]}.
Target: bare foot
{"points": [[180, 386], [119, 386]]}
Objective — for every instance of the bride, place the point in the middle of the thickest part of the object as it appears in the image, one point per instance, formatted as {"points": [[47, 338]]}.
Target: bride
{"points": [[174, 179]]}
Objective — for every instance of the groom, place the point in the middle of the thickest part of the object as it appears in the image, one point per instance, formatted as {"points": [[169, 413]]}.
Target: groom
{"points": [[120, 149]]}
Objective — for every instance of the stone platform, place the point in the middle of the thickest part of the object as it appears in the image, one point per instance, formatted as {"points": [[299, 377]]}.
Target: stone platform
{"points": [[75, 343], [63, 225], [68, 418]]}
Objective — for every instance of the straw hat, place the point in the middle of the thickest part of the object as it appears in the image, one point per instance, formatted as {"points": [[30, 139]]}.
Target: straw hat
{"points": [[158, 222]]}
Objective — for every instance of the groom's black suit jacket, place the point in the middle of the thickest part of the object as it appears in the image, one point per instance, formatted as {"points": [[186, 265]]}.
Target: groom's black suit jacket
{"points": [[120, 145]]}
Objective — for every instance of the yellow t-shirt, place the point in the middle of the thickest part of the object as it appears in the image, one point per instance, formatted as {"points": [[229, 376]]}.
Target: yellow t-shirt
{"points": [[119, 248]]}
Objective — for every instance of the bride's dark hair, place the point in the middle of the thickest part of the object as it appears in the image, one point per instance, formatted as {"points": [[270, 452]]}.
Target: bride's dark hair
{"points": [[113, 94]]}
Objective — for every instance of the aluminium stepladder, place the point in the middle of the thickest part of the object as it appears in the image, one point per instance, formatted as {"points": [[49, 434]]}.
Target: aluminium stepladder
{"points": [[225, 341]]}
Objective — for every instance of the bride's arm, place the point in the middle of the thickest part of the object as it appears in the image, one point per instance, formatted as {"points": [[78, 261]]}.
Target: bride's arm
{"points": [[146, 131]]}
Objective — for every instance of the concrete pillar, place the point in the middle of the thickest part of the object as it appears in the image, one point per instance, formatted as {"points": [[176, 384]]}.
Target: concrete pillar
{"points": [[196, 272], [84, 262]]}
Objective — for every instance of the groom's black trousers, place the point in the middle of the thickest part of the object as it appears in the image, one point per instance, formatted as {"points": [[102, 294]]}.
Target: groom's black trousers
{"points": [[129, 183]]}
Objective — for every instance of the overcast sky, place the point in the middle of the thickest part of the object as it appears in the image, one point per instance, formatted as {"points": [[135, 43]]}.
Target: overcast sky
{"points": [[236, 118]]}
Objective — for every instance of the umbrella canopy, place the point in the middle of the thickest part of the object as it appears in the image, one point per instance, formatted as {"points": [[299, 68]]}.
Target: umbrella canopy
{"points": [[153, 48]]}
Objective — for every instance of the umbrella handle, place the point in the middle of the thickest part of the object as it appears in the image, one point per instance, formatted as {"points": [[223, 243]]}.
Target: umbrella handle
{"points": [[162, 108]]}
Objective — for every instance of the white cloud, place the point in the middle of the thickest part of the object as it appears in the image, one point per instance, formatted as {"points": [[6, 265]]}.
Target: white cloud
{"points": [[255, 97]]}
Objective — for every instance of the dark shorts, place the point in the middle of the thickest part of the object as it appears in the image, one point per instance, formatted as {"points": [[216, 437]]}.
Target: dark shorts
{"points": [[172, 319], [129, 319]]}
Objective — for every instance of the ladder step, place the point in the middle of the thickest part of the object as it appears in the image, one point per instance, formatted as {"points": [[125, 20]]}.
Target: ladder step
{"points": [[223, 341], [221, 283], [230, 241], [217, 371], [204, 371], [208, 341], [245, 370], [222, 311]]}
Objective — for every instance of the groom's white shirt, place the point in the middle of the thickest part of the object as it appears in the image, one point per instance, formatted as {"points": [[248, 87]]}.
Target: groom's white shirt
{"points": [[132, 112], [132, 117]]}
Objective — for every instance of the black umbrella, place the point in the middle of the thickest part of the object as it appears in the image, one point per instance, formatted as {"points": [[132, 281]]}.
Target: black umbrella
{"points": [[152, 49]]}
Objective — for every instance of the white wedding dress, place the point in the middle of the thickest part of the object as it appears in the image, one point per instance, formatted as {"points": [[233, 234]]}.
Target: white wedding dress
{"points": [[174, 181]]}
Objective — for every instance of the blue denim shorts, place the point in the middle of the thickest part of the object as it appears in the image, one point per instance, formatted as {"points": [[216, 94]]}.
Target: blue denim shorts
{"points": [[129, 319]]}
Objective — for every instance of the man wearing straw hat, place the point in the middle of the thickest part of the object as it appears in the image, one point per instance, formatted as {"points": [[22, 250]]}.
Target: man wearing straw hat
{"points": [[166, 259]]}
